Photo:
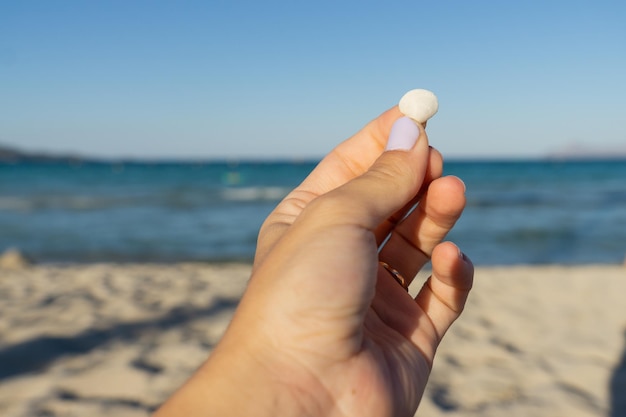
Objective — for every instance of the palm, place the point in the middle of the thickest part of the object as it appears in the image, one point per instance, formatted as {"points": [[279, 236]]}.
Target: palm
{"points": [[394, 367], [371, 345], [366, 367]]}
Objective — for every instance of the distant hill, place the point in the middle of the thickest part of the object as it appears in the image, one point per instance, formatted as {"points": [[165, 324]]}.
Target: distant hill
{"points": [[13, 155], [575, 150]]}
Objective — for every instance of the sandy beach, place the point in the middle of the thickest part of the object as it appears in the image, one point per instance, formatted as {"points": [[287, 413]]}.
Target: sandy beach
{"points": [[104, 339]]}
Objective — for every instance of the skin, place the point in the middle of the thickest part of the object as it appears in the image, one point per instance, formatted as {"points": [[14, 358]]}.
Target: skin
{"points": [[323, 329]]}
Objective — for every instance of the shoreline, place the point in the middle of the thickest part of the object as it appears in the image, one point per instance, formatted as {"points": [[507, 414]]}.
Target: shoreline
{"points": [[101, 339]]}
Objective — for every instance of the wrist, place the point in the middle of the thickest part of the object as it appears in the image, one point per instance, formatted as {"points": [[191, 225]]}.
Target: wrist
{"points": [[238, 381], [242, 385]]}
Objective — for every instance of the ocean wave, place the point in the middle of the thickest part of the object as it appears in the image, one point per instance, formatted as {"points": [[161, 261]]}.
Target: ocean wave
{"points": [[186, 200], [60, 202], [15, 204], [249, 194]]}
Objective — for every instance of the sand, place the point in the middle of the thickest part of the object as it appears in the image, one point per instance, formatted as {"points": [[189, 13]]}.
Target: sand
{"points": [[102, 340]]}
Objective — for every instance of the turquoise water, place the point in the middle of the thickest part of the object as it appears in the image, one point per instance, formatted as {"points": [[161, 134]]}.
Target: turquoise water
{"points": [[543, 212], [533, 212]]}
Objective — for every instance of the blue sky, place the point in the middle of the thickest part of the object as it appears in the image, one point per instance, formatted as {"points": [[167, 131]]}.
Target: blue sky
{"points": [[273, 79]]}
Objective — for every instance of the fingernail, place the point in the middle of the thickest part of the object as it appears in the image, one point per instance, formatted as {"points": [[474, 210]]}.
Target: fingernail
{"points": [[462, 183], [460, 253], [403, 135]]}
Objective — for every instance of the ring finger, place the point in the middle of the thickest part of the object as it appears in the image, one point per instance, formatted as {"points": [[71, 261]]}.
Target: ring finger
{"points": [[412, 241]]}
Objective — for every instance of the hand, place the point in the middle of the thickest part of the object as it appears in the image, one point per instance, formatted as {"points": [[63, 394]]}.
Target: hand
{"points": [[323, 329]]}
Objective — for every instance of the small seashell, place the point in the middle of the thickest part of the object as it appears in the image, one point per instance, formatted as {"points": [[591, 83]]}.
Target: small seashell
{"points": [[420, 105]]}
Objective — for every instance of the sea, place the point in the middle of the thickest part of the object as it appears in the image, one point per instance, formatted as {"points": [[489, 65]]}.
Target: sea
{"points": [[518, 212]]}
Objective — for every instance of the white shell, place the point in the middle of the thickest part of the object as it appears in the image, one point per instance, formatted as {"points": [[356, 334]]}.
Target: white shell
{"points": [[420, 105]]}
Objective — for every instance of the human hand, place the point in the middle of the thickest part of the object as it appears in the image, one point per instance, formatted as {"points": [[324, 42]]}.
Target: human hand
{"points": [[323, 329]]}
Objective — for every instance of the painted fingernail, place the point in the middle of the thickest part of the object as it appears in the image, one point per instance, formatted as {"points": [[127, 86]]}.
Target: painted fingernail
{"points": [[403, 135]]}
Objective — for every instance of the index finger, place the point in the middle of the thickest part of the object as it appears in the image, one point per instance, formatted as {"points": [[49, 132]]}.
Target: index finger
{"points": [[353, 156], [348, 160]]}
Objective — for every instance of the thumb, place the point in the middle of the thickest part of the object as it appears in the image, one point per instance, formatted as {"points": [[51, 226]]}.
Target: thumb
{"points": [[388, 185]]}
